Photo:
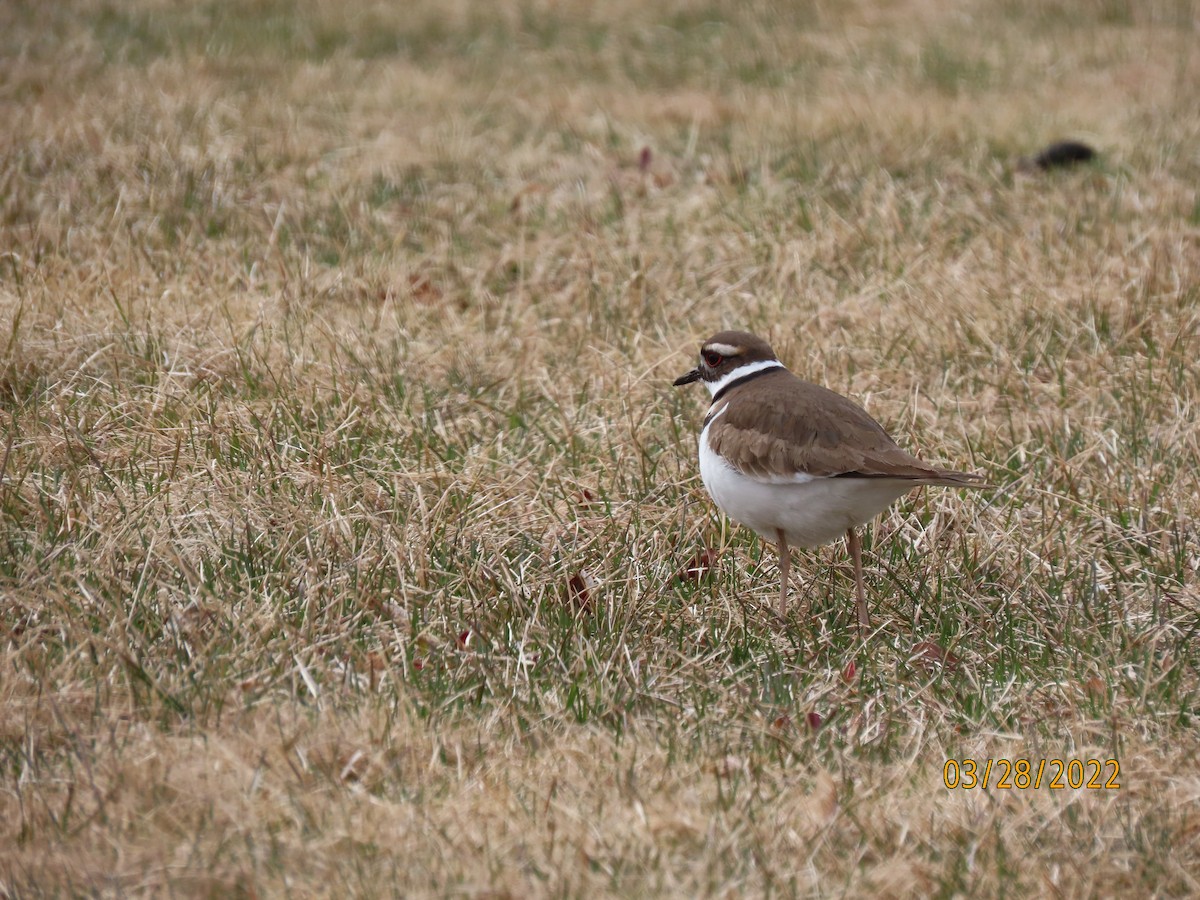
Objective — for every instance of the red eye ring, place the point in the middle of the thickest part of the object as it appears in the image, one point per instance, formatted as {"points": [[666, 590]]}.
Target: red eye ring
{"points": [[712, 358]]}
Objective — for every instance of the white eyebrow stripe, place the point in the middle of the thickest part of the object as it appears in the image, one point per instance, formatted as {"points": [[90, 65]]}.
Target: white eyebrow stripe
{"points": [[714, 387], [724, 349]]}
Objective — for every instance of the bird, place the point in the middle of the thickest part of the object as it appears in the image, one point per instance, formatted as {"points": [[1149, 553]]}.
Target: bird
{"points": [[1059, 155], [795, 462]]}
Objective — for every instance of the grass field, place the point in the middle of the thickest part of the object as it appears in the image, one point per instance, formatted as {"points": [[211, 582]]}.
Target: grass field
{"points": [[344, 495]]}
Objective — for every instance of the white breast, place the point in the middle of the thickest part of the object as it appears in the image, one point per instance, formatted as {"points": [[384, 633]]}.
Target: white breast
{"points": [[810, 509]]}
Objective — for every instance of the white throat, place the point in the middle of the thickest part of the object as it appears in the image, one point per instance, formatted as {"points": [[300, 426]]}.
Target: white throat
{"points": [[715, 387]]}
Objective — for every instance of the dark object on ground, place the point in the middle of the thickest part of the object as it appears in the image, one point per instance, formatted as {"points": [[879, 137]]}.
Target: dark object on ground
{"points": [[1061, 154]]}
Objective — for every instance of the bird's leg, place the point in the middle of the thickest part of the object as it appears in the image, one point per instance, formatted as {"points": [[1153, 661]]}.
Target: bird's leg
{"points": [[785, 564], [854, 542]]}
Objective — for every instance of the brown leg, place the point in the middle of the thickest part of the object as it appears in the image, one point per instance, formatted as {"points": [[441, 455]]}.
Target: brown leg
{"points": [[854, 542], [785, 564]]}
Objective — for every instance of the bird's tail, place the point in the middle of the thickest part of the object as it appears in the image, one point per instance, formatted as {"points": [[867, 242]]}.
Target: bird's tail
{"points": [[948, 478]]}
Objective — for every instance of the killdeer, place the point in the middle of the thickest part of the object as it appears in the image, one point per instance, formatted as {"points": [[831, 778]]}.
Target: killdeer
{"points": [[795, 462]]}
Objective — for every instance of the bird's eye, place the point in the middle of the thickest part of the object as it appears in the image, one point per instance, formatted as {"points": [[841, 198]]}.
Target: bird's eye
{"points": [[712, 358]]}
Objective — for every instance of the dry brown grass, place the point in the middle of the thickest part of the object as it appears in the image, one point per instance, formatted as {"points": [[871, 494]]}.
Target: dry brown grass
{"points": [[337, 349]]}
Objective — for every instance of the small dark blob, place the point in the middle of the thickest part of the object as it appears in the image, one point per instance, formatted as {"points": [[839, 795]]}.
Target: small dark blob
{"points": [[1062, 154]]}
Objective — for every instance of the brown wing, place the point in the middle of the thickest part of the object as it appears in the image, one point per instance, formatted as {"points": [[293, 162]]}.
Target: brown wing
{"points": [[795, 426]]}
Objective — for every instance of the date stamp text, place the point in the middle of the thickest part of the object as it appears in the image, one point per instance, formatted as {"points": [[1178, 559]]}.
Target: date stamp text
{"points": [[1026, 774]]}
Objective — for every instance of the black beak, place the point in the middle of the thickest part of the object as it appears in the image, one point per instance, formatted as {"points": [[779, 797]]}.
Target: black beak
{"points": [[691, 376]]}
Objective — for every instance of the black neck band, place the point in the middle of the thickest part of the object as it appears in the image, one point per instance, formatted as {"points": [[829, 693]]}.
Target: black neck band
{"points": [[740, 381]]}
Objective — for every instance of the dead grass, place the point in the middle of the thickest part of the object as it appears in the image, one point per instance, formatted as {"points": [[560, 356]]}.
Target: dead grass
{"points": [[344, 495]]}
